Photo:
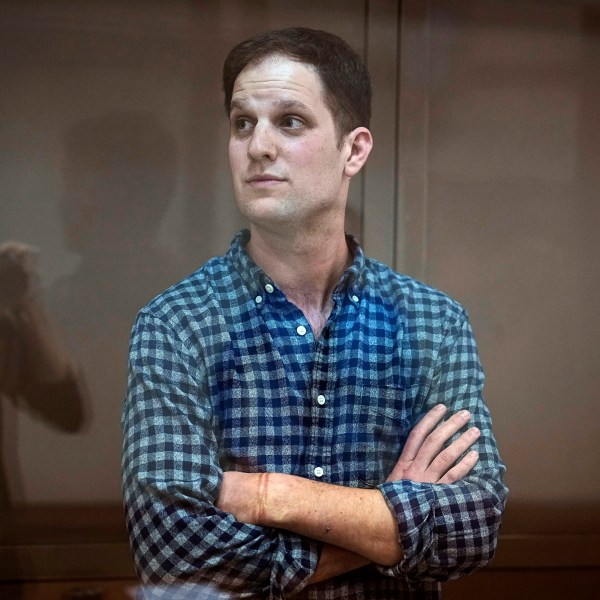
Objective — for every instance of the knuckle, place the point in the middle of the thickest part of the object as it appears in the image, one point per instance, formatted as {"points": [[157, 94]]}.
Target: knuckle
{"points": [[446, 458], [438, 437], [430, 444]]}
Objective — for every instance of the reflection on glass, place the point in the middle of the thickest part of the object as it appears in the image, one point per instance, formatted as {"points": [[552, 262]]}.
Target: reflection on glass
{"points": [[36, 373], [63, 349]]}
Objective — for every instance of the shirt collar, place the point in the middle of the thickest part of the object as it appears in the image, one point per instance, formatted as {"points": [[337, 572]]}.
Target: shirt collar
{"points": [[353, 278], [256, 279]]}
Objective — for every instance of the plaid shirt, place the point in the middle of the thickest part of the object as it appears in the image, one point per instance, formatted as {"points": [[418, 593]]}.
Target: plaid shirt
{"points": [[225, 374]]}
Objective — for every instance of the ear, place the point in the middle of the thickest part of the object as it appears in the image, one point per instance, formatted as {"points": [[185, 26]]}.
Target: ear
{"points": [[359, 143]]}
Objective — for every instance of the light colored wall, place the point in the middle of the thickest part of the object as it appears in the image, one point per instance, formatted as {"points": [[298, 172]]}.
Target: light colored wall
{"points": [[502, 180]]}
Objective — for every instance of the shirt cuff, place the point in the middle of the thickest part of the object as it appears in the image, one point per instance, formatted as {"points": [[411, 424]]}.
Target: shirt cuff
{"points": [[413, 506]]}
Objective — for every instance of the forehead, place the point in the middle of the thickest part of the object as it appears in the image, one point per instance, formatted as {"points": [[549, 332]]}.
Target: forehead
{"points": [[278, 77]]}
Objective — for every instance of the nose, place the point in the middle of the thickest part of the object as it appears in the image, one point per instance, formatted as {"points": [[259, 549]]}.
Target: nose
{"points": [[262, 144]]}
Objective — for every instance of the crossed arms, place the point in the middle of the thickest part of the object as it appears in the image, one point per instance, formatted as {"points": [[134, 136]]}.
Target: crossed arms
{"points": [[329, 513], [190, 521]]}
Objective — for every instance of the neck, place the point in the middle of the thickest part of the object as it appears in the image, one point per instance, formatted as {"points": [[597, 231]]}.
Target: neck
{"points": [[305, 268]]}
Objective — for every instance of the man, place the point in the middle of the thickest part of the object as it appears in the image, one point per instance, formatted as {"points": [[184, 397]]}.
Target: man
{"points": [[280, 426]]}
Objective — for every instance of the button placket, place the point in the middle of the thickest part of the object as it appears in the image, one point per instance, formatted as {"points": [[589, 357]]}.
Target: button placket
{"points": [[321, 397]]}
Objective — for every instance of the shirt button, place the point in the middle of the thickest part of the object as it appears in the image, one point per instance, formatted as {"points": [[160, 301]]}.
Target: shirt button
{"points": [[269, 288], [301, 330], [318, 472], [354, 298], [321, 399], [258, 299]]}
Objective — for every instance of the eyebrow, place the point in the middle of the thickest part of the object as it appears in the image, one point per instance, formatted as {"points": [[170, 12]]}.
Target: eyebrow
{"points": [[282, 103], [287, 104]]}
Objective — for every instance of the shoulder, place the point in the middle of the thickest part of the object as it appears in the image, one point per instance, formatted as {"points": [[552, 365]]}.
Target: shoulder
{"points": [[411, 297], [197, 296]]}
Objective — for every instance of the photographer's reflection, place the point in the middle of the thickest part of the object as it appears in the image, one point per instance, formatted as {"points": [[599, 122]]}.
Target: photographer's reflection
{"points": [[36, 373], [63, 350]]}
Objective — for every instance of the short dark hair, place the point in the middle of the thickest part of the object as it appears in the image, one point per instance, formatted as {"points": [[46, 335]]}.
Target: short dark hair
{"points": [[345, 78]]}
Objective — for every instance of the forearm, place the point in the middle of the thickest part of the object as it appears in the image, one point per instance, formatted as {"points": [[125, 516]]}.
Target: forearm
{"points": [[357, 520], [336, 561], [171, 484], [46, 359], [232, 556]]}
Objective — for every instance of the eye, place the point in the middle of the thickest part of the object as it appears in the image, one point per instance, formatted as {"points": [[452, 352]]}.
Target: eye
{"points": [[242, 124], [291, 122]]}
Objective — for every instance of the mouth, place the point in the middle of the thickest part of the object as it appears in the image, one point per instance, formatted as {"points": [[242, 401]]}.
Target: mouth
{"points": [[264, 179]]}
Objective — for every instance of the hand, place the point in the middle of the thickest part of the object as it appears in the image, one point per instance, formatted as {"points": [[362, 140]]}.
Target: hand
{"points": [[423, 460], [17, 274], [43, 358]]}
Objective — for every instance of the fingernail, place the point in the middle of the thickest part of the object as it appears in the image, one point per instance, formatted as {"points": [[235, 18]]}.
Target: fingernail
{"points": [[439, 407], [474, 431], [464, 413]]}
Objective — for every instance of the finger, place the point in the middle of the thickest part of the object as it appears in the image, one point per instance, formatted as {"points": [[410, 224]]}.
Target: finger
{"points": [[420, 432], [462, 469], [446, 459], [437, 439]]}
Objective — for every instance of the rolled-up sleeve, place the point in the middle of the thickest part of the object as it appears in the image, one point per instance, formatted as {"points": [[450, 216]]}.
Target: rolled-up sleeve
{"points": [[449, 530], [171, 479]]}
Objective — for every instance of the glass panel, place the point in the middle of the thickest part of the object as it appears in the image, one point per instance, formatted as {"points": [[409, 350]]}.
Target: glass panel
{"points": [[510, 213], [115, 184]]}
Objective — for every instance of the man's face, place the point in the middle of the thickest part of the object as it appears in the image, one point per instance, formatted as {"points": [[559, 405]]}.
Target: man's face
{"points": [[283, 146]]}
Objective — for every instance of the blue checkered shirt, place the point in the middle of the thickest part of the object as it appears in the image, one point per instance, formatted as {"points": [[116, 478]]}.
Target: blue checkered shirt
{"points": [[225, 374]]}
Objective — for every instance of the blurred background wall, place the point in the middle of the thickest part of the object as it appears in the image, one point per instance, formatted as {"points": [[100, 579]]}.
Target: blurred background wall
{"points": [[483, 182]]}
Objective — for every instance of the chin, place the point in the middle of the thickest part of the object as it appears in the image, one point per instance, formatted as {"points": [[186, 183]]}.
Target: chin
{"points": [[265, 209]]}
